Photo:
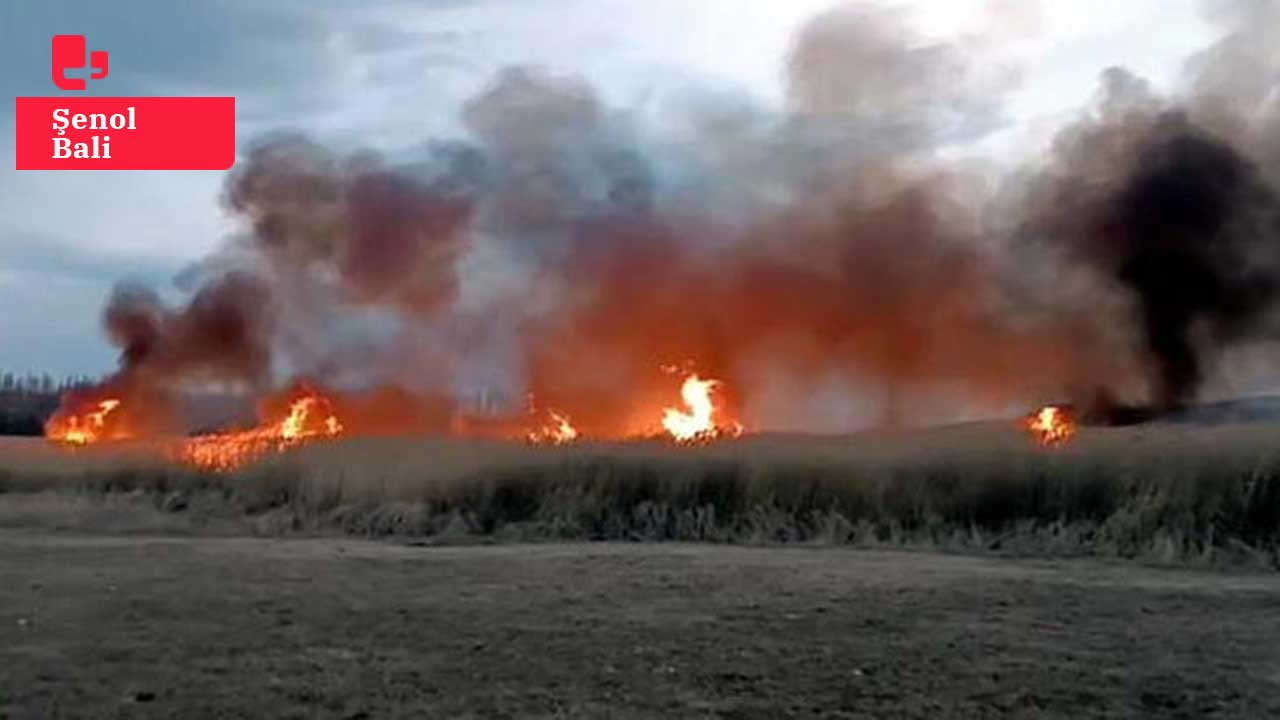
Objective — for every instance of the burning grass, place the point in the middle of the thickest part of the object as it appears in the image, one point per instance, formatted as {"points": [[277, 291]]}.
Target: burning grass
{"points": [[1052, 425], [304, 415], [84, 427], [1164, 493], [310, 417]]}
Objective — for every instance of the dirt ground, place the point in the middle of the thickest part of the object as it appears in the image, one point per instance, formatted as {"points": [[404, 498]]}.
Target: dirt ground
{"points": [[116, 626]]}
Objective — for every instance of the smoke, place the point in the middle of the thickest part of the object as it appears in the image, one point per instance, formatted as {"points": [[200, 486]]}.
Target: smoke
{"points": [[223, 333], [861, 70], [1196, 236], [1173, 201], [819, 258], [381, 235]]}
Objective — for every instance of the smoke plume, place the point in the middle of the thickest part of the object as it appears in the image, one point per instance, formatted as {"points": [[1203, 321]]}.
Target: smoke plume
{"points": [[1173, 200], [823, 257]]}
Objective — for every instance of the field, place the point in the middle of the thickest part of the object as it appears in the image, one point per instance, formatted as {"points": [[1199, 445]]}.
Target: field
{"points": [[94, 626], [953, 573], [1160, 493]]}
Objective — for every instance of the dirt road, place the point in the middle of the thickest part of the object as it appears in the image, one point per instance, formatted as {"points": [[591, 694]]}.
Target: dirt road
{"points": [[197, 627]]}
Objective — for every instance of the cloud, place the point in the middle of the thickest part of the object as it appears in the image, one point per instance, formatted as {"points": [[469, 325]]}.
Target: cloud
{"points": [[54, 260]]}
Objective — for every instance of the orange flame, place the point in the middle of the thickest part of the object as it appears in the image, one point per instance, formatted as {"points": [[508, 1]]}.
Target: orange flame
{"points": [[557, 430], [81, 428], [1052, 425], [311, 418], [697, 423]]}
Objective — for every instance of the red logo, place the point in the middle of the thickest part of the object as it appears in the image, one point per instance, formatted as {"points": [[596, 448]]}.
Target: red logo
{"points": [[69, 54]]}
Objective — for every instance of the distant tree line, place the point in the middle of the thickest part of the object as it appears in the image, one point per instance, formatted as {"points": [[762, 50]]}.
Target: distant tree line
{"points": [[27, 401]]}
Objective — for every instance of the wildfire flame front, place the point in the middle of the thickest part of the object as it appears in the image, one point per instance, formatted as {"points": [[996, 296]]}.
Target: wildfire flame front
{"points": [[1052, 425], [558, 430], [81, 428], [311, 417], [697, 423]]}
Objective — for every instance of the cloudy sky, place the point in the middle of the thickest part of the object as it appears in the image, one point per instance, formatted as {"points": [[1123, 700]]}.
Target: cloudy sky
{"points": [[393, 73]]}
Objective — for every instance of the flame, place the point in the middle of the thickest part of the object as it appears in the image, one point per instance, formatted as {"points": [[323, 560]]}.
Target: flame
{"points": [[557, 430], [697, 423], [310, 418], [81, 428], [1052, 425], [305, 416]]}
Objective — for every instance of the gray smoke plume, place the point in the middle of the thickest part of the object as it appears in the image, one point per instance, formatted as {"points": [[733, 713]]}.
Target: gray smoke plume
{"points": [[569, 250]]}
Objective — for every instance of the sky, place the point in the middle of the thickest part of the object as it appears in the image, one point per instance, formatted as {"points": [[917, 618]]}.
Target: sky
{"points": [[391, 74]]}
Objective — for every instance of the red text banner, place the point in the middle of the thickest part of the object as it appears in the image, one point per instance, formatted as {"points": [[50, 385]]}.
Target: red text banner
{"points": [[126, 133]]}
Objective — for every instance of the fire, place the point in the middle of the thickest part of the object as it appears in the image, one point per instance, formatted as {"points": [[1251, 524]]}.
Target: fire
{"points": [[557, 430], [697, 423], [311, 417], [304, 415], [1052, 425], [81, 428]]}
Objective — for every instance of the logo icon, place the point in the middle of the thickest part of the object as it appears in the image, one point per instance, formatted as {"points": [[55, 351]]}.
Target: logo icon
{"points": [[69, 54]]}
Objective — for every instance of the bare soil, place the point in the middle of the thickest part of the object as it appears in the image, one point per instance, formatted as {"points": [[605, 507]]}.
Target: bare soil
{"points": [[117, 626]]}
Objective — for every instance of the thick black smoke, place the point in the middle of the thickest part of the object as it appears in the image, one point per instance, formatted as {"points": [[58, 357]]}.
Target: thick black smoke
{"points": [[1173, 202], [1187, 226], [1196, 232]]}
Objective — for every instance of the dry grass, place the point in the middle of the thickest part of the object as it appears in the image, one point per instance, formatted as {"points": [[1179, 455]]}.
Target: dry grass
{"points": [[1160, 493]]}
